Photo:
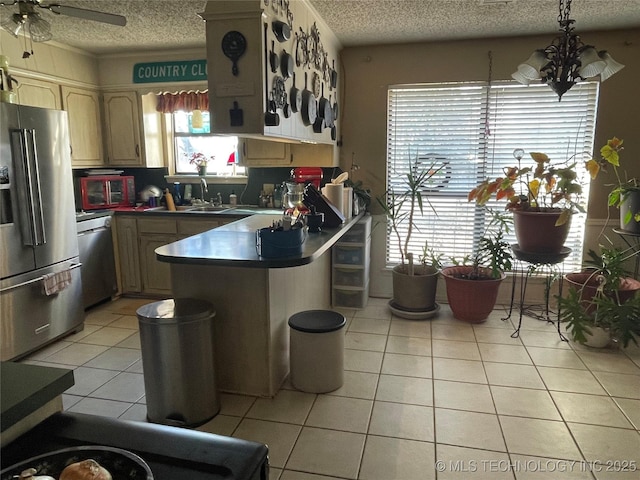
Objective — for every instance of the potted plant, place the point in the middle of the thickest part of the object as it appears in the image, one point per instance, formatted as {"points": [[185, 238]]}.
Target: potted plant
{"points": [[362, 195], [414, 285], [602, 303], [625, 194], [542, 196], [473, 283], [200, 161]]}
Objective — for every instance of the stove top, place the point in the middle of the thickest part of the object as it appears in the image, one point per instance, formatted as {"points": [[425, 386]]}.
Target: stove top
{"points": [[172, 453]]}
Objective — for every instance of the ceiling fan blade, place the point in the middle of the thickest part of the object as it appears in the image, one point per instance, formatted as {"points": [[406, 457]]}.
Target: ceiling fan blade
{"points": [[88, 14]]}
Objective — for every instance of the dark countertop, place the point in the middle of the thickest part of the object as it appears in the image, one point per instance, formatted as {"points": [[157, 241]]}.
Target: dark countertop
{"points": [[26, 388], [234, 245]]}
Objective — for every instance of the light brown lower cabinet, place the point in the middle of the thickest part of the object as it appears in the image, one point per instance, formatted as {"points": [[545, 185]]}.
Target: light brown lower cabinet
{"points": [[138, 238]]}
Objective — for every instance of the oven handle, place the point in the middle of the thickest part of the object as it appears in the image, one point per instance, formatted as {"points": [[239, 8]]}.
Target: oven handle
{"points": [[34, 280]]}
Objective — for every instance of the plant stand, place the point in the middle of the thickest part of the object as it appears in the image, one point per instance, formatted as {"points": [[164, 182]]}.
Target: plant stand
{"points": [[526, 264], [632, 240]]}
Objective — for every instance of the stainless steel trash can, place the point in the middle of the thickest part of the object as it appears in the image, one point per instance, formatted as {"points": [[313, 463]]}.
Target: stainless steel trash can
{"points": [[176, 339], [316, 350]]}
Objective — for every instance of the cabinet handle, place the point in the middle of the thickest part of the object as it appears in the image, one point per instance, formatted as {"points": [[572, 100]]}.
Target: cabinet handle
{"points": [[291, 159], [137, 150], [244, 149]]}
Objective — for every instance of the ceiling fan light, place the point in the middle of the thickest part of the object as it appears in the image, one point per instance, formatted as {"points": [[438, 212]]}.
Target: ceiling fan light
{"points": [[39, 28], [12, 23], [592, 64], [612, 66]]}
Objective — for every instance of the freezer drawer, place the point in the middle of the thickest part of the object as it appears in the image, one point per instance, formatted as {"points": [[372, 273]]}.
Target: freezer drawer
{"points": [[31, 319]]}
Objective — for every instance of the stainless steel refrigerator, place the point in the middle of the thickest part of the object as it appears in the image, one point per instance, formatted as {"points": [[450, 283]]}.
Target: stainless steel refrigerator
{"points": [[40, 283]]}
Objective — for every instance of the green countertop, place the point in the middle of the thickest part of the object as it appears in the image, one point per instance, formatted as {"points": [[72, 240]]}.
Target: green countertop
{"points": [[25, 388]]}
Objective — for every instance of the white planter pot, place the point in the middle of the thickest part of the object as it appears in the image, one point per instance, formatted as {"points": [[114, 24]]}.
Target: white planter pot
{"points": [[599, 338]]}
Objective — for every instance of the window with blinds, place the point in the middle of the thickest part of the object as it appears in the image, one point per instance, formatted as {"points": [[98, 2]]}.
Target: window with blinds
{"points": [[469, 132]]}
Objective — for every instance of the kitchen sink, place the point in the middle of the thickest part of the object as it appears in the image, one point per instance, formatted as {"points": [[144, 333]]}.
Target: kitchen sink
{"points": [[207, 208]]}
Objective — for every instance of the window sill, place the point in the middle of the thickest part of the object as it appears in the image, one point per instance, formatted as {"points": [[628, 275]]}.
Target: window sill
{"points": [[225, 179]]}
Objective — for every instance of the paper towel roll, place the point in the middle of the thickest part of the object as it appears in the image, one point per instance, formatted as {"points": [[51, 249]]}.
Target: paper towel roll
{"points": [[335, 194], [347, 202]]}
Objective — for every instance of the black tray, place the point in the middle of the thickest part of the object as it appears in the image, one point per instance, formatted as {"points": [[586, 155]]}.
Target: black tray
{"points": [[121, 464]]}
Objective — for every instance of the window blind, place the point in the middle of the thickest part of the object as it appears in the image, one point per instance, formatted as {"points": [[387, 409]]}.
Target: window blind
{"points": [[469, 131]]}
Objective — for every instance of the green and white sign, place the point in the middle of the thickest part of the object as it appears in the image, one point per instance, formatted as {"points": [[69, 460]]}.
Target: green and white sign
{"points": [[177, 71]]}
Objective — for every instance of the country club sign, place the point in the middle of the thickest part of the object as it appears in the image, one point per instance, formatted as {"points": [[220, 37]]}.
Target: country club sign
{"points": [[177, 71]]}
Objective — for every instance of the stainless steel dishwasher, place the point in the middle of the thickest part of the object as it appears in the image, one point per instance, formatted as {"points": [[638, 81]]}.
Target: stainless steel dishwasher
{"points": [[97, 258]]}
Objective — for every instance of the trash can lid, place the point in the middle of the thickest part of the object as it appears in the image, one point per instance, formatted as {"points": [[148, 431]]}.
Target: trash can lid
{"points": [[177, 310], [317, 321]]}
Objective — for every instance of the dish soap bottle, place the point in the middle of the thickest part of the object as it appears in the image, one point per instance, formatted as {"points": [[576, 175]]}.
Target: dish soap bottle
{"points": [[233, 199]]}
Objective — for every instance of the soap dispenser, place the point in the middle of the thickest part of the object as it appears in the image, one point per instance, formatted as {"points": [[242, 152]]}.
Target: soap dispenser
{"points": [[233, 199], [177, 196]]}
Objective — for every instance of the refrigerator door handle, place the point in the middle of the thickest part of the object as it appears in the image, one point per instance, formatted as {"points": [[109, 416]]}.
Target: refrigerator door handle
{"points": [[33, 226], [73, 266]]}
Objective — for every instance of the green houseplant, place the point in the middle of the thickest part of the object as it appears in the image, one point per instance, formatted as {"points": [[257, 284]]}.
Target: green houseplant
{"points": [[414, 283], [542, 196], [602, 303], [625, 194], [473, 283]]}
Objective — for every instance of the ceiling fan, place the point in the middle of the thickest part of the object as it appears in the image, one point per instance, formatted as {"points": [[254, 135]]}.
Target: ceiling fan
{"points": [[38, 28]]}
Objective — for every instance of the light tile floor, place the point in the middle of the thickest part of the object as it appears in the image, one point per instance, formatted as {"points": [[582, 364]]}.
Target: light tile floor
{"points": [[421, 400]]}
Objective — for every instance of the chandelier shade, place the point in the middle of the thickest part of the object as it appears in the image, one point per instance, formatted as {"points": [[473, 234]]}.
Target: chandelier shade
{"points": [[612, 66], [566, 60], [592, 64]]}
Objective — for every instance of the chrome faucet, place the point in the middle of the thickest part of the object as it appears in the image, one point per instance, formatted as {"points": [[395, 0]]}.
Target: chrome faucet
{"points": [[203, 187], [219, 198]]}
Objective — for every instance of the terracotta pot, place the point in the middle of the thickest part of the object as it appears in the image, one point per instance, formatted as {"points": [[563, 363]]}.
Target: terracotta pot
{"points": [[631, 203], [416, 292], [471, 300], [587, 284], [536, 232]]}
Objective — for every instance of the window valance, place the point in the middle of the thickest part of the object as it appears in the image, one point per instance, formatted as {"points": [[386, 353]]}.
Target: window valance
{"points": [[186, 101]]}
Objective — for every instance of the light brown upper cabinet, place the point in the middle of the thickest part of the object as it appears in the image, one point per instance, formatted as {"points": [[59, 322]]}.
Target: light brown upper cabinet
{"points": [[83, 108], [39, 93], [133, 140], [122, 129]]}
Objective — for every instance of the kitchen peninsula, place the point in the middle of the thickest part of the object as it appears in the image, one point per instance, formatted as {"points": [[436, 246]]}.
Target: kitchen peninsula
{"points": [[253, 296]]}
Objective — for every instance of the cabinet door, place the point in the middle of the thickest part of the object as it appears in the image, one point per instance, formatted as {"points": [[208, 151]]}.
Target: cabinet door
{"points": [[39, 93], [128, 257], [254, 152], [189, 227], [83, 107], [156, 275], [122, 124]]}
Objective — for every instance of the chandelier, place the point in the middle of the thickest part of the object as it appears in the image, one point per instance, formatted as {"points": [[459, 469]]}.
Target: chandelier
{"points": [[567, 60]]}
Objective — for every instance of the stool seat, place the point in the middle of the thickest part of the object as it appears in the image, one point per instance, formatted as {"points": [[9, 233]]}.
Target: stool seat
{"points": [[316, 350], [317, 321]]}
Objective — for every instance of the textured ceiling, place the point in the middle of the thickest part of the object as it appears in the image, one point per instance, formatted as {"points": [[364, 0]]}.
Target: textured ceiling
{"points": [[162, 24]]}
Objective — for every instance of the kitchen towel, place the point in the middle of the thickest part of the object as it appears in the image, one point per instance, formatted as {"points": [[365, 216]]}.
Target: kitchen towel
{"points": [[335, 194], [56, 282]]}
